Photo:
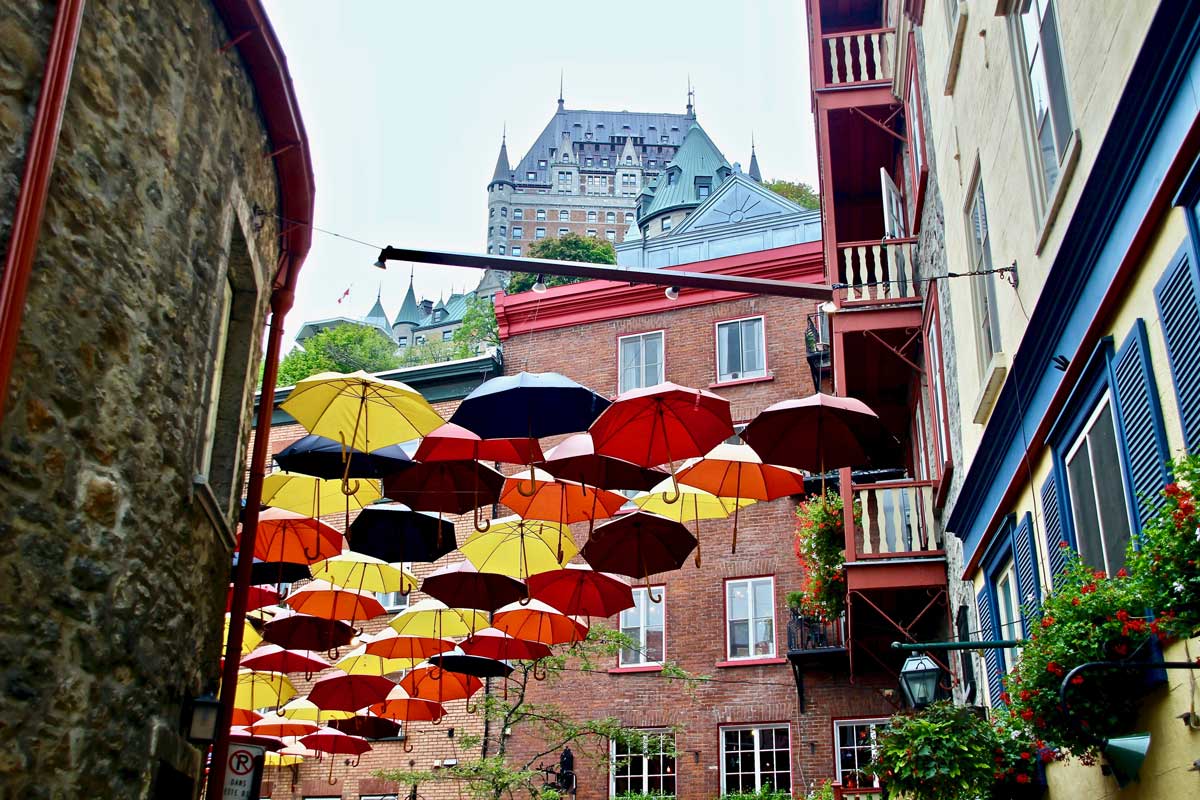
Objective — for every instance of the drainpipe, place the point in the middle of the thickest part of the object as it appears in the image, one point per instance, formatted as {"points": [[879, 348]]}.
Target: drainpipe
{"points": [[281, 302], [35, 183]]}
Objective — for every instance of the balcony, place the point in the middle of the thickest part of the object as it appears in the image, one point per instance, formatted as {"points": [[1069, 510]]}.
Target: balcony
{"points": [[812, 636], [855, 58], [877, 272], [895, 544]]}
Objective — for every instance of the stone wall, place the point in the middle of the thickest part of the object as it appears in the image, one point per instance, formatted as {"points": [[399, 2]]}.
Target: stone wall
{"points": [[114, 564]]}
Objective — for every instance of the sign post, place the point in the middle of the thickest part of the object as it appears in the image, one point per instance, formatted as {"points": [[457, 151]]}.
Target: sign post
{"points": [[243, 772]]}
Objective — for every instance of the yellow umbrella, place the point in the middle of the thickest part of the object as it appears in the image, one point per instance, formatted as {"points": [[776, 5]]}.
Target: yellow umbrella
{"points": [[360, 410], [519, 547], [312, 497], [302, 708], [281, 759], [365, 573], [262, 689], [434, 618], [359, 662], [689, 504], [250, 637]]}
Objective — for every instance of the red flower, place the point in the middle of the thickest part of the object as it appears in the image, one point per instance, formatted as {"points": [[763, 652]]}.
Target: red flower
{"points": [[1047, 756], [1047, 622], [1087, 588], [1025, 754], [1026, 694], [1121, 649], [1172, 490], [1078, 679], [1027, 714], [1054, 669], [1099, 574], [1004, 698], [1074, 601], [1022, 778], [1122, 573], [1123, 615], [1062, 545]]}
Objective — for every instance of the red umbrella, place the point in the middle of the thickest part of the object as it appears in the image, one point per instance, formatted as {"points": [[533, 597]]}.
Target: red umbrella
{"points": [[639, 545], [241, 735], [402, 707], [256, 597], [273, 658], [338, 691], [389, 644], [294, 538], [279, 725], [455, 443], [578, 589], [369, 726], [576, 459], [244, 717], [323, 599], [331, 740], [537, 622], [427, 682], [461, 585], [816, 433], [304, 632], [447, 487], [495, 643]]}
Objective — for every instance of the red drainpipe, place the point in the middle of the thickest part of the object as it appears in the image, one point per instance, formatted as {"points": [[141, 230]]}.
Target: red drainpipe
{"points": [[35, 183]]}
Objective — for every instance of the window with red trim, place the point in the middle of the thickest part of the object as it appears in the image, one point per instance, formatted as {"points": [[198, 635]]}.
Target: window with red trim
{"points": [[918, 162]]}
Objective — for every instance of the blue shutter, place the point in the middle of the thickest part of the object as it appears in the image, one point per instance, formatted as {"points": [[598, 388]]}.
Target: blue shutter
{"points": [[1056, 559], [1028, 586], [1178, 296], [1140, 419], [991, 657]]}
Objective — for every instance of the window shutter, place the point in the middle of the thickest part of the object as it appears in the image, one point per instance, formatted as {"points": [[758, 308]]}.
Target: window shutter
{"points": [[1140, 419], [1028, 587], [1178, 296], [991, 657], [1056, 559]]}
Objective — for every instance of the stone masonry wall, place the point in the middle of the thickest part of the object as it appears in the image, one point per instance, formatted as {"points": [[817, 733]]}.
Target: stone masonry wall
{"points": [[113, 588]]}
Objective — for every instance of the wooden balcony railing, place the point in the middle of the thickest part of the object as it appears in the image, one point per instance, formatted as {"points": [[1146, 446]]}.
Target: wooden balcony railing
{"points": [[878, 272], [858, 56], [865, 793], [896, 520], [808, 634]]}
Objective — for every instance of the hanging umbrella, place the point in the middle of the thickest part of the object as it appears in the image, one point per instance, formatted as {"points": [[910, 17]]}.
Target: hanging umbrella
{"points": [[537, 622], [495, 643], [314, 497], [816, 433], [304, 709], [244, 717], [323, 599], [581, 591], [395, 533], [262, 689], [519, 548], [691, 505], [735, 470], [273, 658], [240, 735], [535, 494], [479, 666], [455, 443], [272, 572], [293, 538], [530, 406], [339, 691], [576, 459], [359, 662], [399, 705], [639, 545], [391, 645], [447, 487], [333, 741], [465, 586], [434, 619], [282, 759], [364, 573], [280, 725], [305, 632], [250, 637], [322, 457], [428, 682], [367, 726], [256, 597]]}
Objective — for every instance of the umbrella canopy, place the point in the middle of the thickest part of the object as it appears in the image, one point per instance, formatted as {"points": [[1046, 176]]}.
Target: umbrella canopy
{"points": [[305, 632], [240, 735], [465, 586], [339, 691], [479, 666], [535, 494], [312, 497], [495, 643], [661, 424], [359, 662], [323, 599], [293, 538], [262, 689], [529, 405], [693, 504], [816, 433], [538, 622], [519, 548], [282, 759], [428, 682], [361, 410], [304, 709], [446, 487], [256, 597], [272, 572], [280, 725], [580, 590], [391, 645], [331, 740], [367, 726], [399, 705], [639, 545], [364, 573], [455, 443], [395, 533], [322, 457], [434, 619], [250, 637], [576, 459], [273, 658]]}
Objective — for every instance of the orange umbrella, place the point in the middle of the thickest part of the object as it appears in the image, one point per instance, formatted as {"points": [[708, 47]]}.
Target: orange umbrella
{"points": [[278, 725], [294, 538], [389, 644], [244, 717], [535, 494], [323, 599], [427, 682], [402, 707], [538, 622]]}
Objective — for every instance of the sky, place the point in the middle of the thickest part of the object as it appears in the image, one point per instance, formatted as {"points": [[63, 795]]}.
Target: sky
{"points": [[405, 103]]}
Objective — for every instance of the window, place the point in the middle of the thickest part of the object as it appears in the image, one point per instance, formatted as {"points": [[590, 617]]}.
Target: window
{"points": [[933, 371], [672, 177], [564, 178], [540, 233], [591, 231], [629, 160], [652, 162], [741, 350], [516, 253], [518, 213], [587, 162], [628, 217], [542, 163], [1008, 604], [214, 387], [491, 213], [490, 249], [541, 214], [504, 211], [856, 747], [563, 231], [504, 230], [951, 9], [645, 769], [1094, 479], [403, 341], [1035, 36], [564, 215], [394, 601], [610, 235], [703, 190], [750, 612], [502, 249], [604, 162], [491, 230], [664, 139], [983, 287], [591, 217], [644, 624], [518, 232], [530, 176], [641, 359], [666, 224], [610, 216], [756, 759], [420, 340]]}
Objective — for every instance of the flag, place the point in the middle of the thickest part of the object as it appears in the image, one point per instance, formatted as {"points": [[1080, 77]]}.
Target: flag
{"points": [[345, 294]]}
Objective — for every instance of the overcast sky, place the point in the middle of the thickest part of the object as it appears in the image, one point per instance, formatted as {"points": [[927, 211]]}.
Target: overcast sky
{"points": [[404, 104]]}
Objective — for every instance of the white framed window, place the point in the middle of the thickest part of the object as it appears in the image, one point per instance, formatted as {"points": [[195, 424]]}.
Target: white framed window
{"points": [[542, 163], [641, 360], [564, 215], [645, 768], [518, 213], [504, 211], [644, 624], [856, 743], [516, 252], [530, 176], [610, 216], [402, 341], [502, 249], [540, 233], [563, 231], [610, 235], [666, 224], [628, 217], [756, 758], [983, 286], [1008, 604], [541, 214], [591, 217], [518, 232], [652, 162], [591, 231], [750, 618], [1099, 513], [703, 190], [741, 349], [933, 371], [587, 162]]}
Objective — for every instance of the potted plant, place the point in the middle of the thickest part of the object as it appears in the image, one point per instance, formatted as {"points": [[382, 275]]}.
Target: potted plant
{"points": [[820, 547]]}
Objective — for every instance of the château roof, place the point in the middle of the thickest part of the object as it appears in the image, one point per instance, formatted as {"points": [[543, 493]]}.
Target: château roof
{"points": [[698, 157]]}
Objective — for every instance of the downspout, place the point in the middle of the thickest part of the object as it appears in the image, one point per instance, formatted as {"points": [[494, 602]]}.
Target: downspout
{"points": [[281, 303], [35, 183]]}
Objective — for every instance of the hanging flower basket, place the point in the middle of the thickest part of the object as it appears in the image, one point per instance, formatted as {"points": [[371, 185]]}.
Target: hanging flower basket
{"points": [[820, 545]]}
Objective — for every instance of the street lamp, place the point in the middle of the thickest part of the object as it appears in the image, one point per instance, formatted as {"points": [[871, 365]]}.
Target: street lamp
{"points": [[919, 680], [202, 720]]}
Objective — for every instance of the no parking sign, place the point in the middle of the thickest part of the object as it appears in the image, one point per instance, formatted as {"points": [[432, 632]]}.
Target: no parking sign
{"points": [[243, 772]]}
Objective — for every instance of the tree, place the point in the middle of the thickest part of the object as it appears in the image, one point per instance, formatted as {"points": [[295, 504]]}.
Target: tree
{"points": [[479, 327], [800, 193], [571, 247], [344, 348]]}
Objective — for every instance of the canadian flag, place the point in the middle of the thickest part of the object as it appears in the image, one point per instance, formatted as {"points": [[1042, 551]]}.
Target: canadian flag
{"points": [[345, 294]]}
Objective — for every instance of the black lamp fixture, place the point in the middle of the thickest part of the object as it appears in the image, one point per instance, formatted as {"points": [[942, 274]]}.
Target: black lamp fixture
{"points": [[672, 292], [919, 680], [203, 714]]}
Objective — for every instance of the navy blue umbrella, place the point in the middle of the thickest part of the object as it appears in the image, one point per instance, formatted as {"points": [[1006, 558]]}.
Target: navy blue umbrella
{"points": [[321, 457], [395, 533], [529, 405], [262, 572]]}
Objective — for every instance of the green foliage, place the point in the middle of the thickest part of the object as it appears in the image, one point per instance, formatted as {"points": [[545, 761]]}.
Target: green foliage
{"points": [[945, 752], [571, 247], [799, 193], [430, 352], [764, 793], [794, 600], [479, 328], [820, 547], [344, 348], [822, 792]]}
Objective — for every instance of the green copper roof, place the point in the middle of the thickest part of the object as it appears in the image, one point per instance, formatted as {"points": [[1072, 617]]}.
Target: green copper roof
{"points": [[697, 157], [409, 311]]}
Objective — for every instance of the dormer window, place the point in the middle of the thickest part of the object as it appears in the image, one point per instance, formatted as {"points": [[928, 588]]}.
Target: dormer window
{"points": [[531, 176], [672, 178], [542, 163], [588, 135], [664, 139], [628, 159], [566, 155]]}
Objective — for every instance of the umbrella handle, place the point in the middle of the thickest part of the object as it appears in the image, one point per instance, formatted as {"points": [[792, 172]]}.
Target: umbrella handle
{"points": [[435, 674], [671, 499], [408, 748], [472, 709], [437, 721], [332, 780], [540, 671], [650, 594], [350, 487], [482, 525], [526, 600], [697, 540], [532, 485]]}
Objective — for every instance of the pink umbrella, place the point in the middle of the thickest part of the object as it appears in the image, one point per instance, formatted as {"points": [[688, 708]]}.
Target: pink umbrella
{"points": [[333, 741], [273, 658], [495, 643]]}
